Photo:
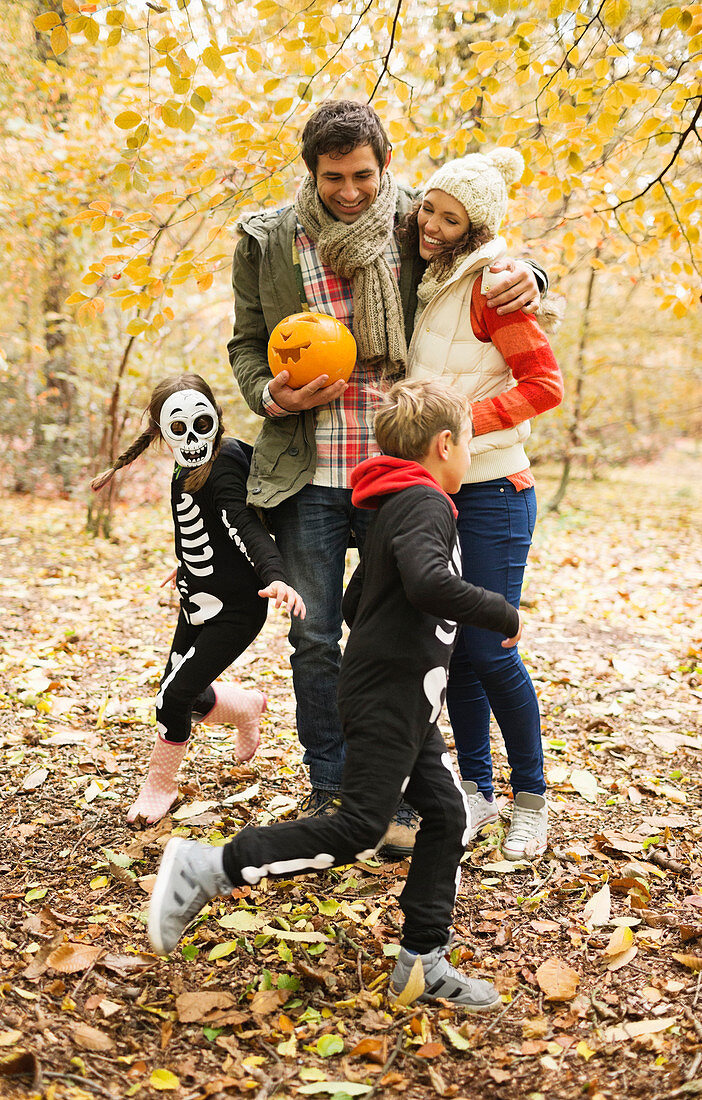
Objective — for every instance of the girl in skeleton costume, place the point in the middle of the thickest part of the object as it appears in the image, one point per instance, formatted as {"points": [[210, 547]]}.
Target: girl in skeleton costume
{"points": [[228, 567]]}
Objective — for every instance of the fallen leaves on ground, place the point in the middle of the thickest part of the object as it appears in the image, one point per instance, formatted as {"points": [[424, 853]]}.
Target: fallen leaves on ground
{"points": [[558, 980], [283, 988]]}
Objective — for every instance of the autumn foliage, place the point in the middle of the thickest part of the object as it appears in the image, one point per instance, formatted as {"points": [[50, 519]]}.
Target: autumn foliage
{"points": [[281, 989], [141, 132]]}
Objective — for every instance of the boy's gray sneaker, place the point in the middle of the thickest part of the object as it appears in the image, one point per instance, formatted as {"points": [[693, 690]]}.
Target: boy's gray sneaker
{"points": [[441, 980], [189, 876]]}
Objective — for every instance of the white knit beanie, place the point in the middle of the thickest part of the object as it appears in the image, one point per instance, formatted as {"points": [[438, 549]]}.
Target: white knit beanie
{"points": [[479, 182]]}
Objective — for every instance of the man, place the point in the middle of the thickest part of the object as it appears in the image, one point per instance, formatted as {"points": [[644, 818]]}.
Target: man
{"points": [[334, 251]]}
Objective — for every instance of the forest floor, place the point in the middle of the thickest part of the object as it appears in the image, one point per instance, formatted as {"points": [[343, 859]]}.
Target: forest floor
{"points": [[281, 989]]}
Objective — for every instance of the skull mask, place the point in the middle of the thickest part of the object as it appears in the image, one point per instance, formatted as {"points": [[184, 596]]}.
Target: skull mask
{"points": [[189, 425]]}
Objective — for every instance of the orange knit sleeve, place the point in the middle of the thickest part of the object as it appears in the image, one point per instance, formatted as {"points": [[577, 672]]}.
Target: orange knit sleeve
{"points": [[526, 350]]}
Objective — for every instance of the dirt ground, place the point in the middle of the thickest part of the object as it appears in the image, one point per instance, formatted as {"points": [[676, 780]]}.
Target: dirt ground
{"points": [[282, 989]]}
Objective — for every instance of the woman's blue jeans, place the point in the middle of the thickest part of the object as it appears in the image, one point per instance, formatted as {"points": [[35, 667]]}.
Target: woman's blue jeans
{"points": [[495, 527]]}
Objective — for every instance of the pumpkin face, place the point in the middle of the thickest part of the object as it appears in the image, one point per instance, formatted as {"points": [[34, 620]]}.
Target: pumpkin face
{"points": [[310, 344]]}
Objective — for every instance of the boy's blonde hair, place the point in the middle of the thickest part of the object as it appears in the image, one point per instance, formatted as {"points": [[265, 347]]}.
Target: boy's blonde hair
{"points": [[412, 413]]}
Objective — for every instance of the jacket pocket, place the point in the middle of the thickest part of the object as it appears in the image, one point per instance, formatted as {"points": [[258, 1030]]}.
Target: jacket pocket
{"points": [[281, 457]]}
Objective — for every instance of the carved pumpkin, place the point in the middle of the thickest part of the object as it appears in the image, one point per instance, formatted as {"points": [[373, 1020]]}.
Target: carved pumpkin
{"points": [[310, 344]]}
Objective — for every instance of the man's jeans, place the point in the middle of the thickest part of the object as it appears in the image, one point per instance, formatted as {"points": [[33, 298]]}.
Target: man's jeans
{"points": [[312, 530], [495, 527]]}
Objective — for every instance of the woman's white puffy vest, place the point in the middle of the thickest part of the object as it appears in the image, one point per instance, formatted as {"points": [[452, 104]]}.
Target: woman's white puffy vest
{"points": [[444, 346]]}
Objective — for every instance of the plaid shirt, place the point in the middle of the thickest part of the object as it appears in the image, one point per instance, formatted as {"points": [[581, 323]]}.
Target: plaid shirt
{"points": [[344, 428]]}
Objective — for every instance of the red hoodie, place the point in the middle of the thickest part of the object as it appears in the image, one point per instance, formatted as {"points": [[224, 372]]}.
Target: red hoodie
{"points": [[379, 476]]}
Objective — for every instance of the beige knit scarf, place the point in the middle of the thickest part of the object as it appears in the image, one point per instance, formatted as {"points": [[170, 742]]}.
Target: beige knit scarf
{"points": [[357, 252], [432, 283]]}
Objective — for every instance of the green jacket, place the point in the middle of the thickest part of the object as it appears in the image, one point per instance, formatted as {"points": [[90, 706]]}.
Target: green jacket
{"points": [[266, 291]]}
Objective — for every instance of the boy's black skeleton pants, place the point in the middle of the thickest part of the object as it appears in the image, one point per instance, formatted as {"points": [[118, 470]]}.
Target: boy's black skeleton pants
{"points": [[384, 759], [198, 655]]}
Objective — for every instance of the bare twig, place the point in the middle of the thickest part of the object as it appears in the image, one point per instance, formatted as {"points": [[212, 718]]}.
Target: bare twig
{"points": [[539, 888], [279, 1077], [359, 971], [693, 1020], [270, 1051], [694, 1066], [684, 1090], [386, 61], [400, 1022], [345, 938], [268, 1084], [692, 128], [661, 859], [338, 50], [83, 978], [84, 835], [497, 1018], [84, 1082]]}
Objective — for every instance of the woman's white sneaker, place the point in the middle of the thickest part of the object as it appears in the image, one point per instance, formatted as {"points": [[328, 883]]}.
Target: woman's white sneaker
{"points": [[527, 833], [482, 811]]}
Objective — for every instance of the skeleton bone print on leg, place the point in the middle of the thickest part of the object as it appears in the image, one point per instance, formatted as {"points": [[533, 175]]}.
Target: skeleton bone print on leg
{"points": [[448, 764], [203, 606], [176, 662], [253, 875], [446, 631], [434, 683], [194, 539]]}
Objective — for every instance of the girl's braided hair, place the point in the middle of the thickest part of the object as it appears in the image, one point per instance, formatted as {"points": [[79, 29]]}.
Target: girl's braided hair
{"points": [[152, 433]]}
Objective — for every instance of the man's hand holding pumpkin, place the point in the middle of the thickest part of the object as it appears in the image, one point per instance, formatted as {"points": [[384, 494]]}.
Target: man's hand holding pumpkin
{"points": [[306, 397]]}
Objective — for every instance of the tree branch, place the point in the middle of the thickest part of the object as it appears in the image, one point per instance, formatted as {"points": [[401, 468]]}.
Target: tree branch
{"points": [[386, 62], [658, 179], [329, 60]]}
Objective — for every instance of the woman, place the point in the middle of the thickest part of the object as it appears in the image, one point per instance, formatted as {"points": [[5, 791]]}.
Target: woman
{"points": [[505, 367]]}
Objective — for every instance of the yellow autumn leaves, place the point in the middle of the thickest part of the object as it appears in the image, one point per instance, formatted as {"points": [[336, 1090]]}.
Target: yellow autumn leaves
{"points": [[596, 103]]}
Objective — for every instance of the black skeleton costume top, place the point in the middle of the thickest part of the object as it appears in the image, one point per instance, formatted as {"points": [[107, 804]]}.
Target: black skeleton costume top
{"points": [[225, 555], [407, 595]]}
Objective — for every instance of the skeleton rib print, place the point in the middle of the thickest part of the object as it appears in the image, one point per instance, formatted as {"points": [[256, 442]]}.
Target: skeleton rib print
{"points": [[193, 537]]}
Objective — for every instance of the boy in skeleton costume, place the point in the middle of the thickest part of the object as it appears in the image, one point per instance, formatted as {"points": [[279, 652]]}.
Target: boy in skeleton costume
{"points": [[403, 605], [228, 567]]}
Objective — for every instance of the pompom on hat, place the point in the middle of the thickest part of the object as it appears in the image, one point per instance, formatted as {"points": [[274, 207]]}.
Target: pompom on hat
{"points": [[480, 182]]}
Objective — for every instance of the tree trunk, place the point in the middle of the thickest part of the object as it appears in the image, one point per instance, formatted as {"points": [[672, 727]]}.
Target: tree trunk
{"points": [[574, 437], [59, 385], [101, 505]]}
